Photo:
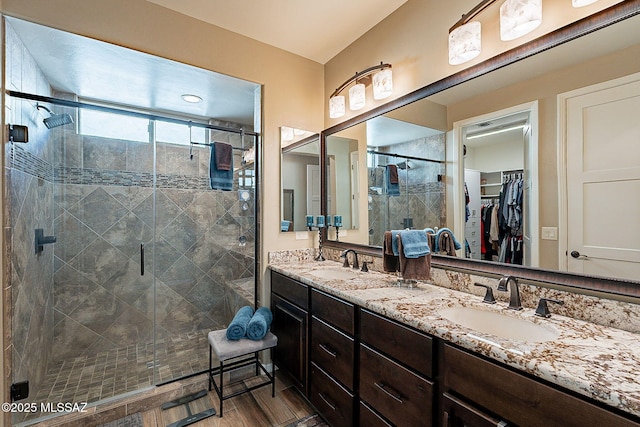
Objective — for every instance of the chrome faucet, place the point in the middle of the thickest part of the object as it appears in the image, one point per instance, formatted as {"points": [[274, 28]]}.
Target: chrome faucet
{"points": [[514, 300], [346, 258]]}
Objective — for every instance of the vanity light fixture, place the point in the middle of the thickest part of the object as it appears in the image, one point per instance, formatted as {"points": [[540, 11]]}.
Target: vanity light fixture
{"points": [[580, 3], [465, 40], [517, 18], [382, 82], [192, 99]]}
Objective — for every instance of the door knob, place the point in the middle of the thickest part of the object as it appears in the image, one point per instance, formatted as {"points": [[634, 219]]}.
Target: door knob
{"points": [[577, 254]]}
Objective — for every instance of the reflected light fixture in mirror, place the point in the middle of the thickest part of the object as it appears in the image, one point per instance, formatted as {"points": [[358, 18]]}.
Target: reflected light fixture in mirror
{"points": [[519, 17], [382, 82]]}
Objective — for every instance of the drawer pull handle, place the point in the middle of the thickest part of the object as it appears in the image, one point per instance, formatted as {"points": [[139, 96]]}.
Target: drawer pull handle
{"points": [[390, 392], [328, 350], [331, 405]]}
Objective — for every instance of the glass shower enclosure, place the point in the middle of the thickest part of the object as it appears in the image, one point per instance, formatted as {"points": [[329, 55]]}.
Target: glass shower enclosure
{"points": [[122, 258]]}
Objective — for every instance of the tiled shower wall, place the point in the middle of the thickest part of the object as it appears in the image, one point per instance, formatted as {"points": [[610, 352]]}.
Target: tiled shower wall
{"points": [[422, 196], [104, 211]]}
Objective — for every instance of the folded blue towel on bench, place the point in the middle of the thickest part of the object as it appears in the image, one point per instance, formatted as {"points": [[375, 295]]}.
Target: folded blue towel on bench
{"points": [[238, 327], [259, 324]]}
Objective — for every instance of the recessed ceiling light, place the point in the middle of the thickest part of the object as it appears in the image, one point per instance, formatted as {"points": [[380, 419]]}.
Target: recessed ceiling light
{"points": [[193, 99]]}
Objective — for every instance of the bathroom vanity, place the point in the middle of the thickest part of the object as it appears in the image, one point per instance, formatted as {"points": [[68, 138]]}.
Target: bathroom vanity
{"points": [[367, 352]]}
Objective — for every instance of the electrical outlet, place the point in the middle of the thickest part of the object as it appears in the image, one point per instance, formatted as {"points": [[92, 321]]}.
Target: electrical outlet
{"points": [[550, 233]]}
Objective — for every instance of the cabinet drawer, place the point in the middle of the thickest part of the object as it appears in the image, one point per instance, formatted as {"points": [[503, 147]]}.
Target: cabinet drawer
{"points": [[333, 311], [406, 345], [334, 402], [333, 351], [398, 394], [290, 289], [458, 413], [368, 418], [517, 398]]}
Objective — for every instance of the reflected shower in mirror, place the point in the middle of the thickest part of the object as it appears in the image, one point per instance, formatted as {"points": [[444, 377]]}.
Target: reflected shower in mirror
{"points": [[300, 177], [405, 166]]}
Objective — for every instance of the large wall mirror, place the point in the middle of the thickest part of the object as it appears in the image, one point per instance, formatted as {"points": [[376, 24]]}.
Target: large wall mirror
{"points": [[300, 177], [438, 137]]}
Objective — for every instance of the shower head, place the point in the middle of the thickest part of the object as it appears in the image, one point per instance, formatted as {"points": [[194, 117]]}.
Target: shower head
{"points": [[405, 164], [55, 120]]}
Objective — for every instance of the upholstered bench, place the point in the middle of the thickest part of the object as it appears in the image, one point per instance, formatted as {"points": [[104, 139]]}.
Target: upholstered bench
{"points": [[238, 354]]}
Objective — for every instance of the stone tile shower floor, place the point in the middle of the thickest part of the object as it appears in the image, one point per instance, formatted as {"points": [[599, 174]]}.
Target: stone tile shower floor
{"points": [[121, 370]]}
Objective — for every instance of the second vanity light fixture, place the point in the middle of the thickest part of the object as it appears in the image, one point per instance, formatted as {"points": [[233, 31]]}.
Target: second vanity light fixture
{"points": [[517, 18], [382, 82]]}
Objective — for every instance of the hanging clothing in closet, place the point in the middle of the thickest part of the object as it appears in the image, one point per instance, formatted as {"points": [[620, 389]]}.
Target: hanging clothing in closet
{"points": [[502, 223]]}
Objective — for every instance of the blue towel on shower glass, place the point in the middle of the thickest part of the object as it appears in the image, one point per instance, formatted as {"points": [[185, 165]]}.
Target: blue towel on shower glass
{"points": [[259, 324], [391, 189], [220, 179], [456, 244], [238, 327], [414, 243]]}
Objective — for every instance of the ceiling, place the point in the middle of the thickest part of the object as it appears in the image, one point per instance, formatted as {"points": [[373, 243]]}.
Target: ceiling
{"points": [[317, 30]]}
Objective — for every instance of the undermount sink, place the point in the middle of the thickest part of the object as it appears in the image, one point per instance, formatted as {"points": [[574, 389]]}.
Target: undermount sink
{"points": [[500, 325], [333, 274]]}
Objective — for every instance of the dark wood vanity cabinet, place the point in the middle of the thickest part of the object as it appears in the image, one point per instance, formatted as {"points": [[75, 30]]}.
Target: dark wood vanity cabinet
{"points": [[360, 368], [511, 397], [290, 308], [396, 366]]}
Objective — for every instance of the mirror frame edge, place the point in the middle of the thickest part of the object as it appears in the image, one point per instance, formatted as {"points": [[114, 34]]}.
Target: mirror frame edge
{"points": [[617, 289]]}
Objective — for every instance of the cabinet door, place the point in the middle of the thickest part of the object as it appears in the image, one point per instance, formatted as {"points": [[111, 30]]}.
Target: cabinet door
{"points": [[456, 413], [290, 326]]}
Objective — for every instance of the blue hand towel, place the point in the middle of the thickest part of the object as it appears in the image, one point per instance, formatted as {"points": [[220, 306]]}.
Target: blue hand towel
{"points": [[220, 179], [238, 327], [414, 243], [456, 244], [284, 225], [394, 241], [259, 324], [391, 188]]}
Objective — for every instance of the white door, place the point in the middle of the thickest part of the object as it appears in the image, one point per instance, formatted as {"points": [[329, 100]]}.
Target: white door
{"points": [[603, 179], [313, 190]]}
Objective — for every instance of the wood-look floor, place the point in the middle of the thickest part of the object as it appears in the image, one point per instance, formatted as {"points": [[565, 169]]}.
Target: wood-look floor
{"points": [[254, 409]]}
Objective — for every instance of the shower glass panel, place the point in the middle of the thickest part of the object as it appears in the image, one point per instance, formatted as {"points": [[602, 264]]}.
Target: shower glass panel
{"points": [[205, 245], [82, 330], [147, 259], [138, 257]]}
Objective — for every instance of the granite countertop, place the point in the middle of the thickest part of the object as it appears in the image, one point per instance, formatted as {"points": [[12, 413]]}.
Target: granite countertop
{"points": [[596, 361]]}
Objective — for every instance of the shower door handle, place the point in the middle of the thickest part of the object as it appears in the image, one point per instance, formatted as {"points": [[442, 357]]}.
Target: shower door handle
{"points": [[142, 259]]}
